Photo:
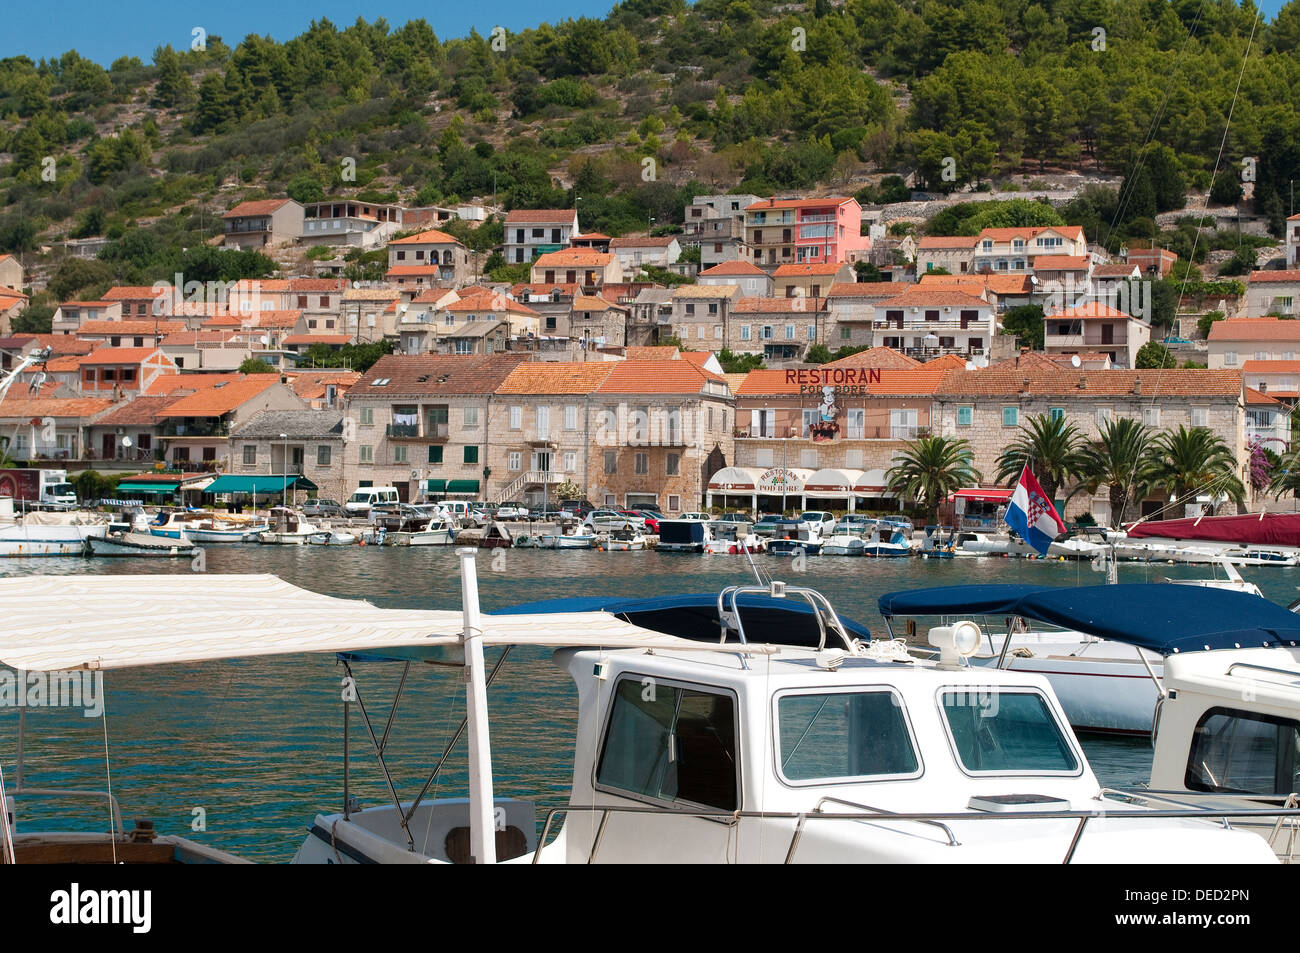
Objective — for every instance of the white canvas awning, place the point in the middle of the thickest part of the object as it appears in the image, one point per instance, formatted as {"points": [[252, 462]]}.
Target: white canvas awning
{"points": [[105, 622], [830, 483], [735, 480]]}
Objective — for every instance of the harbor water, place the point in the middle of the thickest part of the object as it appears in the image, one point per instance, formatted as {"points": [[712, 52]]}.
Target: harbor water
{"points": [[242, 754]]}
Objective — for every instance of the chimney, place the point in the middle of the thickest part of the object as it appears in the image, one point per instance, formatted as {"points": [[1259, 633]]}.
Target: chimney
{"points": [[1137, 385], [1083, 382]]}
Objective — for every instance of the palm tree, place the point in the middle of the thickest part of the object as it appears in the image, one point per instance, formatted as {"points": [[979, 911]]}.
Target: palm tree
{"points": [[1052, 448], [928, 469], [1118, 460], [1184, 461]]}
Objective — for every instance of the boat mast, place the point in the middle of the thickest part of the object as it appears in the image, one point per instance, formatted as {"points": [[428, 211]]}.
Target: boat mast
{"points": [[482, 826]]}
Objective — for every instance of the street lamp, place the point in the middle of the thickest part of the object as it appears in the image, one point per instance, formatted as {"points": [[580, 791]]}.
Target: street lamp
{"points": [[284, 462]]}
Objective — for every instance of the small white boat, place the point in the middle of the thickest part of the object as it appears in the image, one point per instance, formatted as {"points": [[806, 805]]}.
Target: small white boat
{"points": [[564, 541], [287, 527], [847, 541], [733, 539], [887, 541], [221, 531], [67, 539], [625, 540], [332, 538], [172, 524], [140, 544]]}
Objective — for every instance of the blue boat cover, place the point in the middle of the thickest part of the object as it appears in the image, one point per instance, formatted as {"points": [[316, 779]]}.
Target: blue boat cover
{"points": [[1160, 617], [694, 615]]}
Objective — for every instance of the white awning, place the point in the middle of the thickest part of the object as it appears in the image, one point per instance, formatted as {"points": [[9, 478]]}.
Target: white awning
{"points": [[735, 479], [831, 482], [104, 622], [871, 483]]}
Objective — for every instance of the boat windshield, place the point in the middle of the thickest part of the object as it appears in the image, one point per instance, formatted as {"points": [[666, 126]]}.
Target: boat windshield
{"points": [[1006, 732], [826, 736]]}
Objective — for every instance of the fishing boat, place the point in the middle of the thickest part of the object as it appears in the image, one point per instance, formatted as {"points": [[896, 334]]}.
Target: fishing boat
{"points": [[847, 540], [140, 544], [886, 541], [754, 724], [686, 535], [172, 524], [625, 540], [410, 527], [940, 542], [793, 538], [732, 539], [50, 534], [566, 540], [224, 531], [287, 526]]}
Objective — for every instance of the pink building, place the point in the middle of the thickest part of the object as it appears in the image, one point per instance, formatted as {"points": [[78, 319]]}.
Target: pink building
{"points": [[806, 231]]}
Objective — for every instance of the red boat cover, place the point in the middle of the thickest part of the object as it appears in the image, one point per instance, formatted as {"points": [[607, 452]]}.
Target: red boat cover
{"points": [[1253, 529]]}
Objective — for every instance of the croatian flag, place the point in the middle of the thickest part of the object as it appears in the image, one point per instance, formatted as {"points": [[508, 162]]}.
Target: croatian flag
{"points": [[1032, 515]]}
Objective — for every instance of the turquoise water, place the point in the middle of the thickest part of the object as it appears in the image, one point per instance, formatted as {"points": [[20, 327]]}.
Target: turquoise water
{"points": [[256, 745]]}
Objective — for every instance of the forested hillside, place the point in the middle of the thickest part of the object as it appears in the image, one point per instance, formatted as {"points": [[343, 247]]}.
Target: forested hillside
{"points": [[658, 101]]}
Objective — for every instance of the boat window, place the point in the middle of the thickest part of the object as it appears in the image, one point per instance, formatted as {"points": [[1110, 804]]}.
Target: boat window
{"points": [[1244, 752], [1006, 732], [843, 735], [671, 743]]}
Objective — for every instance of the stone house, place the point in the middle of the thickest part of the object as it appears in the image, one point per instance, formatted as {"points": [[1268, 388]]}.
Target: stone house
{"points": [[305, 443]]}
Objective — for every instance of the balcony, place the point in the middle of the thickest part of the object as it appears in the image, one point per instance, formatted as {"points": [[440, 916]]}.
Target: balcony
{"points": [[1062, 340], [199, 430], [402, 431], [886, 432]]}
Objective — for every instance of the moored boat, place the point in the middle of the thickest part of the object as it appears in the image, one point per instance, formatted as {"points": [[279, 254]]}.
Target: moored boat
{"points": [[140, 544]]}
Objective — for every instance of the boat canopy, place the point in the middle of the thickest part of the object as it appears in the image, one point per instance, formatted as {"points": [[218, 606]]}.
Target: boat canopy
{"points": [[694, 615], [64, 623], [1160, 617], [1251, 529]]}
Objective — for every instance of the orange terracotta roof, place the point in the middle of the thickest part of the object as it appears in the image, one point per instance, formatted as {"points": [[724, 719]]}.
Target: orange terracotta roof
{"points": [[539, 216], [22, 406], [216, 401], [921, 296], [656, 377], [946, 362], [64, 343], [1276, 276], [489, 301], [316, 339], [135, 292], [796, 203], [920, 381], [656, 352], [432, 295], [256, 319], [1006, 234], [429, 237], [559, 377], [130, 328], [70, 362], [578, 257], [195, 338], [259, 207], [142, 412], [1259, 397], [1093, 309], [411, 271], [316, 284], [642, 242], [1255, 329], [122, 355], [864, 289], [311, 384], [879, 357], [1007, 380], [1061, 263], [524, 288], [171, 383], [1271, 367], [593, 303], [808, 270], [739, 267], [1116, 270]]}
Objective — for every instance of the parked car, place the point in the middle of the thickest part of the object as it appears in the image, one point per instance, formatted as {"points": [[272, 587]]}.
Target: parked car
{"points": [[604, 520], [734, 517], [359, 503], [319, 507], [821, 521], [546, 511], [766, 525], [512, 511], [649, 517], [577, 508]]}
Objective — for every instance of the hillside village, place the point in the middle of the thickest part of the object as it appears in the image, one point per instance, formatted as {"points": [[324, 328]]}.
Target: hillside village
{"points": [[594, 374]]}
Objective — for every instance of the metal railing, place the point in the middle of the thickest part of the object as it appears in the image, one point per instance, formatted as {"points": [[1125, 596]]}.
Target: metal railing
{"points": [[936, 819]]}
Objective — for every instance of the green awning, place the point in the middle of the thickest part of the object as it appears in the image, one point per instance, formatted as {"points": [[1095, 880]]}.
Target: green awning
{"points": [[166, 487], [261, 483], [437, 486], [462, 486]]}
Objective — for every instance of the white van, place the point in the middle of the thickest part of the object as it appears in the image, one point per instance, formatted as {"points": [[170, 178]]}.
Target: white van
{"points": [[359, 503], [454, 509]]}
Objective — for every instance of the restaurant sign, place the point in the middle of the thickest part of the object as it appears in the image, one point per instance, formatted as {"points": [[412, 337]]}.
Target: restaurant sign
{"points": [[779, 478], [843, 381]]}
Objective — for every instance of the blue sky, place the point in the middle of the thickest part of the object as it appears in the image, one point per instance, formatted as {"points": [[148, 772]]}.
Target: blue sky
{"points": [[103, 30]]}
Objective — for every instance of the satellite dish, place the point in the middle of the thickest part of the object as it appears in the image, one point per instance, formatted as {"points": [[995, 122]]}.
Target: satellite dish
{"points": [[1074, 359], [126, 442], [971, 365], [266, 340]]}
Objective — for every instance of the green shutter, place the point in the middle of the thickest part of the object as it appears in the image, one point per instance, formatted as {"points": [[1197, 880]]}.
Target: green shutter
{"points": [[1058, 413], [471, 454], [964, 415], [1010, 416], [435, 454]]}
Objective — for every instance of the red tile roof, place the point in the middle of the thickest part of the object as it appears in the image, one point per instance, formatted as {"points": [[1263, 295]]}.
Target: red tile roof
{"points": [[130, 328], [1275, 276], [1255, 329], [642, 242], [412, 271], [22, 406], [1117, 270], [142, 412], [539, 216], [740, 267], [928, 296], [135, 292], [1061, 263], [122, 355], [171, 383], [792, 305], [435, 374], [1093, 309], [64, 343], [1007, 380], [260, 207], [1271, 367], [865, 289], [429, 237], [656, 377], [216, 401], [577, 257], [948, 241], [316, 339], [879, 357], [1006, 234], [808, 270], [946, 362], [1259, 397], [559, 377], [766, 204], [311, 385], [656, 352]]}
